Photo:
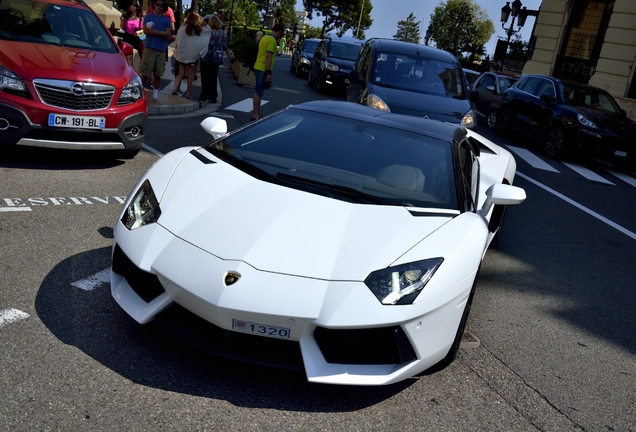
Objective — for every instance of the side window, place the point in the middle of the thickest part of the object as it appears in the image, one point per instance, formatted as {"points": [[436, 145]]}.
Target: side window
{"points": [[529, 85], [361, 62], [469, 166], [489, 81], [546, 88]]}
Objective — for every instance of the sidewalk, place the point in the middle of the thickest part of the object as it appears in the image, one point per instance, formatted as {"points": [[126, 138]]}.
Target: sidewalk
{"points": [[173, 105]]}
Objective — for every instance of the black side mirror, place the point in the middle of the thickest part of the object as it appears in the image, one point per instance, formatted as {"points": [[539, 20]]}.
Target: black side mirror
{"points": [[547, 98], [354, 77], [473, 96]]}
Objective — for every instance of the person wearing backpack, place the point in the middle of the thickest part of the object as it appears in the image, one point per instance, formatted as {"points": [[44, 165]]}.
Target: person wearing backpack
{"points": [[212, 60], [267, 48]]}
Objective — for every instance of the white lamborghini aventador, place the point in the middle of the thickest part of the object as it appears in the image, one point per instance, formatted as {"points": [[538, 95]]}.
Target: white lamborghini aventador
{"points": [[329, 236]]}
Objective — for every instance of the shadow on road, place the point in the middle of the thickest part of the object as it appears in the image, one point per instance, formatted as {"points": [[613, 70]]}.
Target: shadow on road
{"points": [[147, 355]]}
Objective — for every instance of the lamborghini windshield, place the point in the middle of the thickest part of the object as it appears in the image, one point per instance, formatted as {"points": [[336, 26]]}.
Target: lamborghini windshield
{"points": [[344, 158]]}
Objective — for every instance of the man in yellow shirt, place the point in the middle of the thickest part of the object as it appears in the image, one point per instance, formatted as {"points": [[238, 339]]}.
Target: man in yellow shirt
{"points": [[267, 48]]}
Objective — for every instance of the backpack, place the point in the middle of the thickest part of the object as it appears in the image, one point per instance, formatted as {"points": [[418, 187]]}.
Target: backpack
{"points": [[215, 51], [251, 56]]}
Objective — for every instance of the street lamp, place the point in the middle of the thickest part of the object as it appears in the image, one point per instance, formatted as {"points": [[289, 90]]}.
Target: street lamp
{"points": [[506, 11], [429, 33]]}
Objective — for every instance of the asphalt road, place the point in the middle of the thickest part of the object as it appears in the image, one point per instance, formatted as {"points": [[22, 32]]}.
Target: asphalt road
{"points": [[555, 311]]}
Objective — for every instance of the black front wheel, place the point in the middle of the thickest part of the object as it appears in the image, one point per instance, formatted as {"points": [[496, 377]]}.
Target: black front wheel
{"points": [[555, 142], [502, 124]]}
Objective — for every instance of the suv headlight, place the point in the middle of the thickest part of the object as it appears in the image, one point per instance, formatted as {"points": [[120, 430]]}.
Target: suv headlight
{"points": [[143, 209], [586, 121], [331, 67], [469, 121], [376, 102], [304, 60], [132, 92], [11, 81], [402, 284]]}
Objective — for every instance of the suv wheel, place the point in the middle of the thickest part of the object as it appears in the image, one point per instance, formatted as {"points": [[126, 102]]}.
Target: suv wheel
{"points": [[555, 142], [491, 119]]}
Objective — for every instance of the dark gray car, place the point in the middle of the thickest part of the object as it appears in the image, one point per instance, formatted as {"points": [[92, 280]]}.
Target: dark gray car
{"points": [[302, 56], [489, 87], [407, 78]]}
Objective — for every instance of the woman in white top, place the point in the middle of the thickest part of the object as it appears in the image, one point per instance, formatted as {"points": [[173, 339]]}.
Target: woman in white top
{"points": [[191, 45]]}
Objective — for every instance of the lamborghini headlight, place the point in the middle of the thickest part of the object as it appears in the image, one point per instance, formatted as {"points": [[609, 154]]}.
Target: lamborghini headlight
{"points": [[401, 284], [376, 102], [143, 209]]}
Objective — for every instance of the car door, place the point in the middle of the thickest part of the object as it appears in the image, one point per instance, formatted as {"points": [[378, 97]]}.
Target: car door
{"points": [[316, 62], [541, 107], [488, 97], [356, 89], [521, 97]]}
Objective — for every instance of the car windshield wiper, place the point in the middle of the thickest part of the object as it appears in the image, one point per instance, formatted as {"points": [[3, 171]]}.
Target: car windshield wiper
{"points": [[349, 192], [238, 162]]}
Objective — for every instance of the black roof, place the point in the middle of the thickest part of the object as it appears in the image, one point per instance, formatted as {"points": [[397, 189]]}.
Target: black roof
{"points": [[410, 48], [419, 125]]}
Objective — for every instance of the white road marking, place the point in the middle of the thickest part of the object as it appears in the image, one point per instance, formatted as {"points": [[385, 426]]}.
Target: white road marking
{"points": [[588, 174], [15, 209], [92, 282], [625, 177], [244, 105], [11, 315], [151, 150], [579, 206], [532, 159]]}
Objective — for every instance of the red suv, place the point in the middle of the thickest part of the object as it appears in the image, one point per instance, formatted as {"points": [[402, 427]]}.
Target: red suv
{"points": [[64, 81]]}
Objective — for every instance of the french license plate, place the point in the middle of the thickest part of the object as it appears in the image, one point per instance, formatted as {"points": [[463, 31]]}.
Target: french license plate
{"points": [[620, 153], [261, 329], [82, 122]]}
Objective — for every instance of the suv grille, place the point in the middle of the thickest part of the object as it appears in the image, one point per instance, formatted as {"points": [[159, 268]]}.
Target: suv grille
{"points": [[73, 95]]}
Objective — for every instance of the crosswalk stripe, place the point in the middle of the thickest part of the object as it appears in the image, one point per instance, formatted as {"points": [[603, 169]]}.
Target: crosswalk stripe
{"points": [[588, 174], [93, 281], [245, 105], [10, 315], [532, 159], [625, 177]]}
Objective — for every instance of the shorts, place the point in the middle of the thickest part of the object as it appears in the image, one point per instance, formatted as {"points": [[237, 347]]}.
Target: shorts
{"points": [[153, 62], [259, 88]]}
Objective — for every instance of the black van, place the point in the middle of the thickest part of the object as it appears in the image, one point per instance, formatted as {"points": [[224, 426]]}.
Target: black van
{"points": [[407, 78], [332, 63]]}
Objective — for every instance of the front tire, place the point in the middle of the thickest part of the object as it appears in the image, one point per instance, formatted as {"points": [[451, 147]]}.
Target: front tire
{"points": [[491, 118], [309, 81], [555, 142], [502, 123], [452, 353]]}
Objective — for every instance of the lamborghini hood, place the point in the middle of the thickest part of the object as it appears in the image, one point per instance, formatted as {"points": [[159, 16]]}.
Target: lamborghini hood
{"points": [[234, 216]]}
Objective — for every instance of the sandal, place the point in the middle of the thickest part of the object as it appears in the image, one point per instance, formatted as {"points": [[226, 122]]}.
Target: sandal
{"points": [[175, 93]]}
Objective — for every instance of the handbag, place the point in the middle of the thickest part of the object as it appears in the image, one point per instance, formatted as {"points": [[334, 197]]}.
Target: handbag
{"points": [[141, 35]]}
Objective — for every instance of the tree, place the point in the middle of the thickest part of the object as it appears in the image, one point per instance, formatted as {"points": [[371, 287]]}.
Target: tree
{"points": [[459, 23], [312, 32], [409, 30], [341, 15]]}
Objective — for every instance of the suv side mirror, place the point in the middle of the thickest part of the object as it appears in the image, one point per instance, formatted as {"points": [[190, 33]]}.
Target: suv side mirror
{"points": [[354, 77], [125, 47]]}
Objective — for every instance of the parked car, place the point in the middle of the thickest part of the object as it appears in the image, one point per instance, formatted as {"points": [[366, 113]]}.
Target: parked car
{"points": [[302, 55], [416, 80], [489, 87], [64, 81], [471, 77], [359, 265], [332, 62], [567, 116]]}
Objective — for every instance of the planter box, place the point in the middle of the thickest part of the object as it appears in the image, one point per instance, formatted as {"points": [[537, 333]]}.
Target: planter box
{"points": [[246, 77]]}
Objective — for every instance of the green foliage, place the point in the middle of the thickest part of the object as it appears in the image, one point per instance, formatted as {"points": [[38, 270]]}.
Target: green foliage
{"points": [[460, 23], [312, 32], [408, 30], [341, 15], [241, 46]]}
